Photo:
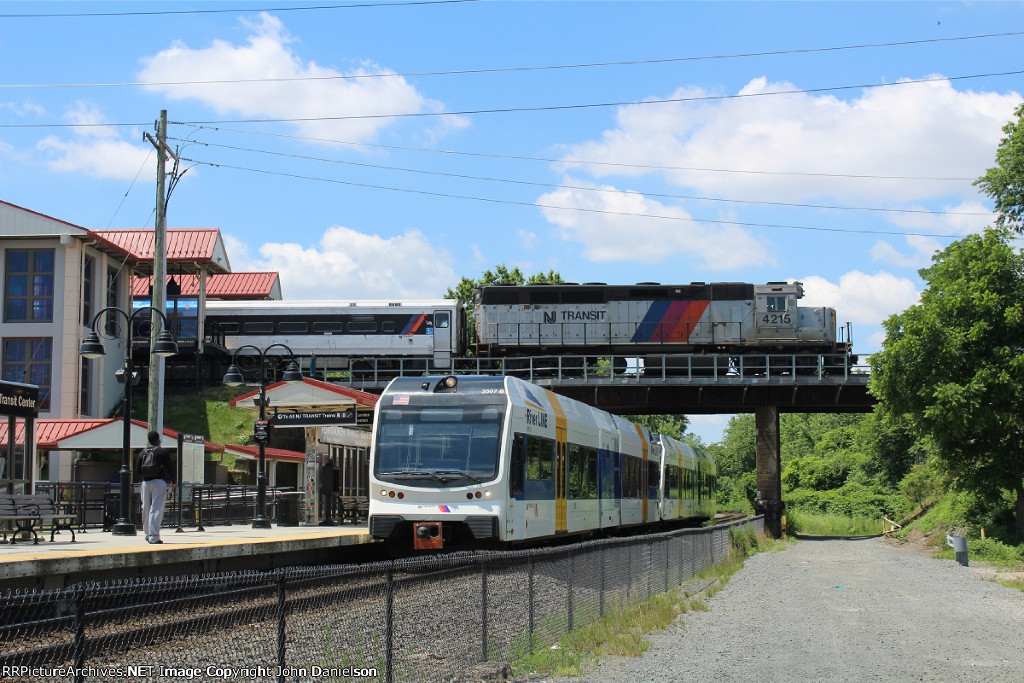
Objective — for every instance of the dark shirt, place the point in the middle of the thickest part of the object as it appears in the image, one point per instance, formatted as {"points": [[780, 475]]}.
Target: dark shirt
{"points": [[163, 459]]}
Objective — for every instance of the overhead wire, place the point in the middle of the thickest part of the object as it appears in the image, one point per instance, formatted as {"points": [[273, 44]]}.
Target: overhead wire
{"points": [[464, 176], [543, 67], [157, 13], [513, 202], [571, 161]]}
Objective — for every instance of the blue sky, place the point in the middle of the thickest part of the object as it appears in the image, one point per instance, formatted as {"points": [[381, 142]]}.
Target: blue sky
{"points": [[657, 150]]}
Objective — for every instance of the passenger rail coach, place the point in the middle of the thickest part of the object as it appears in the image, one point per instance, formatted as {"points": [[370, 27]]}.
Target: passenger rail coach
{"points": [[490, 461]]}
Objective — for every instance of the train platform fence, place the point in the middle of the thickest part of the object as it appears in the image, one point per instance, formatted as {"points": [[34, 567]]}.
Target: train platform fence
{"points": [[441, 618], [96, 505]]}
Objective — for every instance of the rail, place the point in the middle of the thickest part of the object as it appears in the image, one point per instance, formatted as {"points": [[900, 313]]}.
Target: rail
{"points": [[440, 618]]}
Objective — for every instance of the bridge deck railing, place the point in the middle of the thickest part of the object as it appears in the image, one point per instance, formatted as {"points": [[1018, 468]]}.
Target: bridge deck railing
{"points": [[680, 368]]}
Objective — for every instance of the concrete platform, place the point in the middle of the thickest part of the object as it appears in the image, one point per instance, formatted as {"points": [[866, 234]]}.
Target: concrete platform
{"points": [[100, 556]]}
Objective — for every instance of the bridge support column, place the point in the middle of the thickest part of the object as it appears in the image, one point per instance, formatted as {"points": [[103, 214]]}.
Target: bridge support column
{"points": [[769, 469]]}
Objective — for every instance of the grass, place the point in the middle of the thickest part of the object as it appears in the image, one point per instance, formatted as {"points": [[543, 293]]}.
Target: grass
{"points": [[621, 632], [209, 414], [817, 524]]}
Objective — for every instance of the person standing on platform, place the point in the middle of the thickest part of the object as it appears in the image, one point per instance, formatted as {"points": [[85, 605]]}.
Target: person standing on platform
{"points": [[154, 467]]}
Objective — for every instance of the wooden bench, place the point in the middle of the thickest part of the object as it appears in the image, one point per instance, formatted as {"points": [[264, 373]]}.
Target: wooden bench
{"points": [[48, 513], [15, 520]]}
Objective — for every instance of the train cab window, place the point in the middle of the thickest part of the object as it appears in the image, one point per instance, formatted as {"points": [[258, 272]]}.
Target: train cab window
{"points": [[293, 327], [258, 327], [328, 327], [775, 303]]}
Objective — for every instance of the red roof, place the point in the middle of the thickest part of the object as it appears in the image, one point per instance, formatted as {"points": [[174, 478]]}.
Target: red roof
{"points": [[50, 432], [184, 245], [363, 398], [218, 285]]}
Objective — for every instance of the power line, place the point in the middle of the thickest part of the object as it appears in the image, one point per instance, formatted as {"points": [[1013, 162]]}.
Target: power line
{"points": [[560, 107], [550, 67], [157, 13], [513, 202], [582, 162], [598, 105], [529, 183]]}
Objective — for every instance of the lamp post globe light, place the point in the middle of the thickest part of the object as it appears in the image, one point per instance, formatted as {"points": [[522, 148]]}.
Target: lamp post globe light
{"points": [[92, 348], [233, 378]]}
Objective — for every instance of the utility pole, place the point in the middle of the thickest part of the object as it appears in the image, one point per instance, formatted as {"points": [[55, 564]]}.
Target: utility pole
{"points": [[155, 414]]}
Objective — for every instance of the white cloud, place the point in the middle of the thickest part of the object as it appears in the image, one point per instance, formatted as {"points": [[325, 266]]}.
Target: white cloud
{"points": [[603, 224], [346, 264], [527, 239], [98, 151], [267, 55], [919, 130], [861, 298]]}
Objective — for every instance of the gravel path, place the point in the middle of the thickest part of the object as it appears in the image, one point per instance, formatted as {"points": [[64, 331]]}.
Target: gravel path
{"points": [[839, 610]]}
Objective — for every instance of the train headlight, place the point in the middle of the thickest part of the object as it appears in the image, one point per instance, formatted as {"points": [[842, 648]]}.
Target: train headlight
{"points": [[487, 493], [383, 493]]}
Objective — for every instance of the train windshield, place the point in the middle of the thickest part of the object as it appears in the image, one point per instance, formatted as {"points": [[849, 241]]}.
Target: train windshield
{"points": [[438, 445]]}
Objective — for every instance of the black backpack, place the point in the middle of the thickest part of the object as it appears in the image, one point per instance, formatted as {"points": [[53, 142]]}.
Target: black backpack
{"points": [[148, 466]]}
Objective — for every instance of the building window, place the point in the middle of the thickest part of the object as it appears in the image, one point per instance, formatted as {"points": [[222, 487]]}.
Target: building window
{"points": [[88, 268], [28, 293], [84, 393], [113, 299], [29, 361]]}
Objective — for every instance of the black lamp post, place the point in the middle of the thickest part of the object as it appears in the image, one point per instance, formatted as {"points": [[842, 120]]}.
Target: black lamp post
{"points": [[91, 348], [234, 378]]}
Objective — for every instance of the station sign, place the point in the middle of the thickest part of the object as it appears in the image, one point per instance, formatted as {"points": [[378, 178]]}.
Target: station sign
{"points": [[260, 432], [349, 416], [19, 400]]}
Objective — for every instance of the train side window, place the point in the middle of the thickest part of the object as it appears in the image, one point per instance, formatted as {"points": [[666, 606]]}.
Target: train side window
{"points": [[293, 326], [387, 327], [577, 471], [591, 474], [441, 320], [517, 466], [539, 456], [362, 327], [326, 327], [227, 328], [258, 327]]}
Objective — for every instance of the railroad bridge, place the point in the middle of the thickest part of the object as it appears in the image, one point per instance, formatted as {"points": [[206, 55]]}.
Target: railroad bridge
{"points": [[683, 384]]}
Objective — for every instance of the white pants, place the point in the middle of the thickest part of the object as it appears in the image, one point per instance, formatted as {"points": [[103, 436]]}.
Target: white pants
{"points": [[154, 493]]}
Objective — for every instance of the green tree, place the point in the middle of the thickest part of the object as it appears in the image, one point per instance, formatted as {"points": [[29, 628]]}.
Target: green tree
{"points": [[953, 366], [669, 425], [501, 275], [1004, 182]]}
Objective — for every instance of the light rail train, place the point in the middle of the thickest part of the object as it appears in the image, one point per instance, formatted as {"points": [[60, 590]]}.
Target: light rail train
{"points": [[476, 461]]}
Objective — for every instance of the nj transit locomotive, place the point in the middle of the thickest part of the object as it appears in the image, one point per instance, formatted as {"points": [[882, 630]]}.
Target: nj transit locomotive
{"points": [[649, 318], [463, 461]]}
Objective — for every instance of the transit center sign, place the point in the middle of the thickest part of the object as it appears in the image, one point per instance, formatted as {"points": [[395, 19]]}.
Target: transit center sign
{"points": [[349, 416]]}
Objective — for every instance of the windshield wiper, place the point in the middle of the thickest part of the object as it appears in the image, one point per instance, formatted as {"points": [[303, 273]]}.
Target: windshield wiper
{"points": [[415, 473], [460, 473]]}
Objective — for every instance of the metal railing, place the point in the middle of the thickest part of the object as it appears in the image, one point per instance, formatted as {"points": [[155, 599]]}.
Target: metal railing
{"points": [[443, 618], [96, 503], [703, 368]]}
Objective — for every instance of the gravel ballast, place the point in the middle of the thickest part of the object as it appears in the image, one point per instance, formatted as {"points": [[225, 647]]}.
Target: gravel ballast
{"points": [[839, 610]]}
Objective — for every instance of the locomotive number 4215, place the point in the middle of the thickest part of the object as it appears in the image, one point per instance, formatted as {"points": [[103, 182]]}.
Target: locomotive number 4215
{"points": [[777, 319]]}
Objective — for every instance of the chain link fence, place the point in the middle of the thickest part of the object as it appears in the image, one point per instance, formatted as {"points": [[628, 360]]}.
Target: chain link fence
{"points": [[445, 618]]}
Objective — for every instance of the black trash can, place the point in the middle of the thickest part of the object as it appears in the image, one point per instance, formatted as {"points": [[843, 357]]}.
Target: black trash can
{"points": [[287, 510]]}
